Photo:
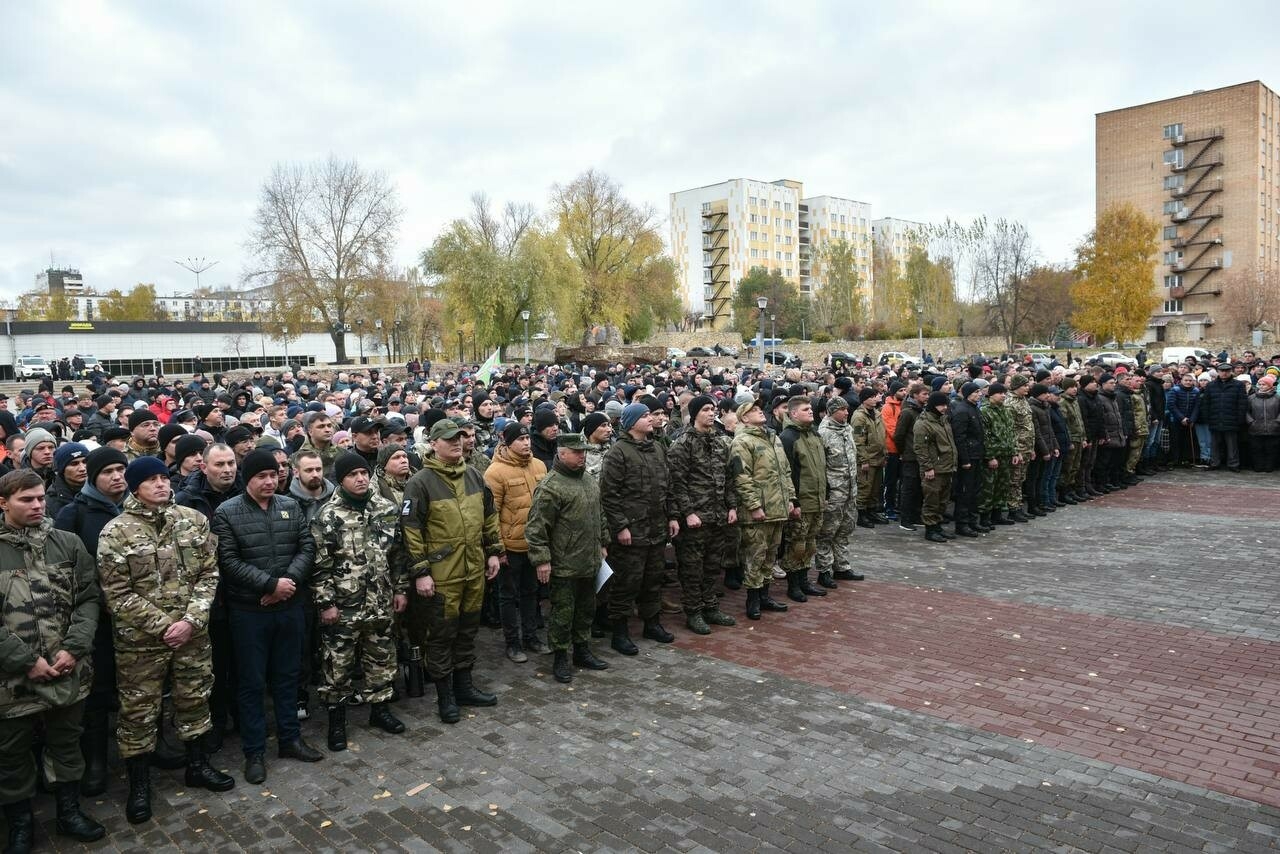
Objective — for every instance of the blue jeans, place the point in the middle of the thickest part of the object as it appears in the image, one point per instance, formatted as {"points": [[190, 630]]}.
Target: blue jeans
{"points": [[1205, 442], [268, 647], [1052, 470]]}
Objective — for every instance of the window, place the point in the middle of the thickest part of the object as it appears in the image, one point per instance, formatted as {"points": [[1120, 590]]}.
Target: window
{"points": [[1170, 232], [755, 201], [787, 223], [1172, 131], [777, 238], [1174, 156], [777, 205], [777, 255], [1173, 256], [755, 218], [1173, 280], [1174, 181], [1172, 206], [1173, 306], [755, 253], [787, 271], [787, 240], [787, 207]]}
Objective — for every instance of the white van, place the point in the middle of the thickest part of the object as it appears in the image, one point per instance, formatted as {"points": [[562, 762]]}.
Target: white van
{"points": [[1180, 354]]}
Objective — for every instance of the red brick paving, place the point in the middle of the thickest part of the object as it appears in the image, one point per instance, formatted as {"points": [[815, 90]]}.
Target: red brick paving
{"points": [[1202, 499], [1183, 704]]}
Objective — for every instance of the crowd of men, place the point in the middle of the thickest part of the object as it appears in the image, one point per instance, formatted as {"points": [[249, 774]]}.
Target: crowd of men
{"points": [[173, 551]]}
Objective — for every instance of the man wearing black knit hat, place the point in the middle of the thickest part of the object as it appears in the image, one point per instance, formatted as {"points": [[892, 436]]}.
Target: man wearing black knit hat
{"points": [[265, 553], [144, 435], [935, 448]]}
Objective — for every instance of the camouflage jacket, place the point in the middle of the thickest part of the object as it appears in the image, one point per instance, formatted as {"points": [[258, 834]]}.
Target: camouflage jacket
{"points": [[842, 461], [1070, 408], [1024, 424], [700, 481], [449, 525], [48, 602], [997, 432], [156, 567], [133, 451], [934, 443], [356, 550], [635, 490], [595, 459], [1141, 426], [763, 475], [868, 435], [328, 456], [566, 526]]}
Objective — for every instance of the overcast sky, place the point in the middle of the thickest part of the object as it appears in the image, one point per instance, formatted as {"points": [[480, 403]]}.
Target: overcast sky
{"points": [[138, 133]]}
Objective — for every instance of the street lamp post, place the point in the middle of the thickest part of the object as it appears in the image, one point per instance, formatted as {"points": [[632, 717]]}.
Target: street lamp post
{"points": [[360, 333], [920, 329], [524, 315], [461, 356], [761, 303], [773, 337]]}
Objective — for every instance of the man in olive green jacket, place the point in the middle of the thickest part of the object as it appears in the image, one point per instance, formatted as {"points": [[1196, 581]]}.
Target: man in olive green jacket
{"points": [[935, 447], [48, 614], [766, 500], [452, 544], [567, 537], [808, 461]]}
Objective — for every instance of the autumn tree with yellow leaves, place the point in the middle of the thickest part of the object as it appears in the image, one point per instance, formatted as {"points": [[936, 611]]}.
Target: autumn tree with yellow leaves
{"points": [[1115, 265]]}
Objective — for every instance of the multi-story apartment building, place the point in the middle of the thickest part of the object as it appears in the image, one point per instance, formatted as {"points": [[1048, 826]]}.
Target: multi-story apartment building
{"points": [[721, 231], [899, 236], [1205, 165]]}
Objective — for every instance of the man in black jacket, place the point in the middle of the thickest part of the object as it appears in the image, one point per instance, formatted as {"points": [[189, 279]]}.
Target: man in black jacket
{"points": [[966, 425], [265, 555], [1223, 404], [909, 492]]}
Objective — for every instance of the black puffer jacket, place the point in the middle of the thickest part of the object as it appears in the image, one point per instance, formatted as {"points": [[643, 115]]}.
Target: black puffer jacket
{"points": [[1095, 425], [905, 428], [966, 424], [256, 547], [1046, 442], [1224, 404], [197, 494]]}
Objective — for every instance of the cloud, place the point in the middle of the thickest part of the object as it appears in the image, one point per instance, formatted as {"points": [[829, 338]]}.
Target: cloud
{"points": [[138, 134]]}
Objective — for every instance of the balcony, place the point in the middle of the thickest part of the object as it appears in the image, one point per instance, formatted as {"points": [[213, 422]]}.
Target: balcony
{"points": [[1202, 135], [1185, 215], [1212, 160]]}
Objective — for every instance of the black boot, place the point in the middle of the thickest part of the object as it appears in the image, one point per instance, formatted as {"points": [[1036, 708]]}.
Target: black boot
{"points": [[466, 692], [864, 520], [560, 669], [654, 631], [966, 531], [843, 575], [337, 727], [827, 580], [201, 773], [753, 603], [933, 533], [878, 518], [622, 638], [137, 807], [22, 826], [767, 602], [444, 699], [807, 588], [998, 518], [168, 755], [71, 821], [733, 578], [600, 625], [1018, 516], [380, 716], [583, 657], [93, 744], [794, 593], [944, 532]]}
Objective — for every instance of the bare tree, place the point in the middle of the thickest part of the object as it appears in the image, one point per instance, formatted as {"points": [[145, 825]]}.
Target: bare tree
{"points": [[320, 232], [996, 259], [1252, 300]]}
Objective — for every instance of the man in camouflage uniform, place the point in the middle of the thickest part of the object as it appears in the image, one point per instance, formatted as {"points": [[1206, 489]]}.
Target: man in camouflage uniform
{"points": [[1141, 425], [935, 447], [599, 434], [808, 459], [1024, 443], [999, 444], [144, 435], [842, 492], [1069, 404], [49, 611], [766, 500], [319, 429], [706, 501], [567, 537], [452, 545], [475, 457], [356, 544], [158, 569], [868, 437]]}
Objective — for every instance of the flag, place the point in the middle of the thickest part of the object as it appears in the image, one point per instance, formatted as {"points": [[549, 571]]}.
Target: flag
{"points": [[489, 368]]}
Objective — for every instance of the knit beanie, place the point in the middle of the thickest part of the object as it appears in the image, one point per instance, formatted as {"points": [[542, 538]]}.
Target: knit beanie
{"points": [[996, 388], [1018, 381], [429, 418], [386, 452], [632, 413], [866, 394], [593, 422], [1087, 380], [968, 389], [937, 382], [100, 458], [613, 408], [141, 416], [1038, 389], [68, 454], [344, 465], [837, 402], [696, 404], [939, 398], [141, 469], [513, 431], [169, 432], [258, 461], [186, 446], [236, 435], [543, 418], [1066, 383]]}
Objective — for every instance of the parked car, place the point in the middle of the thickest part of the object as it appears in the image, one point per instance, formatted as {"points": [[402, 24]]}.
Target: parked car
{"points": [[1044, 360], [699, 353], [782, 358], [31, 367], [91, 362], [896, 357], [847, 359], [1181, 354], [1111, 358], [675, 353]]}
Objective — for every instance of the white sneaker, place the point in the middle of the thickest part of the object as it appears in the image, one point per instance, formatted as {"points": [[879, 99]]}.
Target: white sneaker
{"points": [[778, 574]]}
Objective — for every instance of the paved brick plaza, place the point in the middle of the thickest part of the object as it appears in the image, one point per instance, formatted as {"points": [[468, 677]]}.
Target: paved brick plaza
{"points": [[1103, 680]]}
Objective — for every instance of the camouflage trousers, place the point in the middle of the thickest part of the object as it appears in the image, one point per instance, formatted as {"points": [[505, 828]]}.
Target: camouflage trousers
{"points": [[757, 545], [800, 541], [347, 647], [1070, 479], [1136, 446], [636, 580], [63, 761], [937, 492], [573, 603], [141, 671], [834, 534], [1017, 477], [870, 487], [444, 626], [995, 491], [698, 555]]}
